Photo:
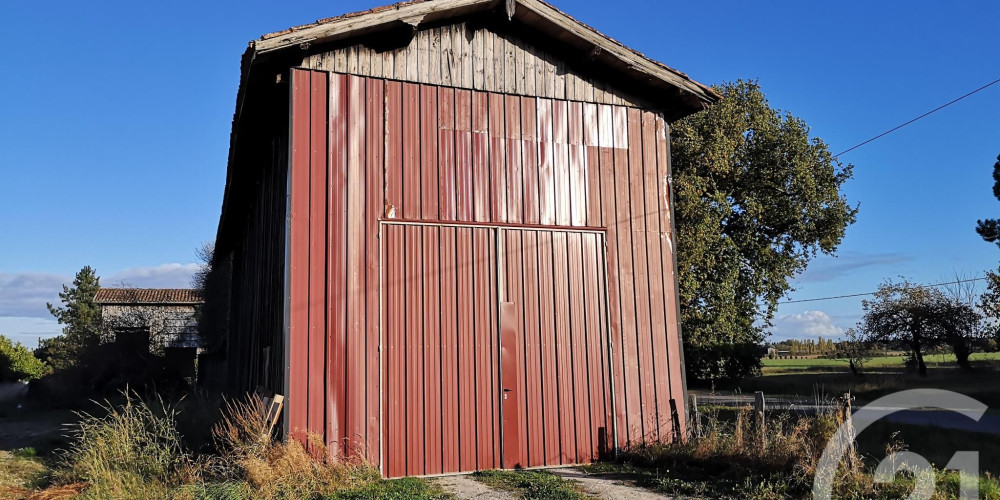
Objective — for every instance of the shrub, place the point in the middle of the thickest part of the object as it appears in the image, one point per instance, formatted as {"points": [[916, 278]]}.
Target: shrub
{"points": [[17, 363]]}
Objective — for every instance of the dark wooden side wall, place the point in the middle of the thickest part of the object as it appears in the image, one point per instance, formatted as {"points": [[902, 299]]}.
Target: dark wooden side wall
{"points": [[472, 56], [363, 150], [255, 241]]}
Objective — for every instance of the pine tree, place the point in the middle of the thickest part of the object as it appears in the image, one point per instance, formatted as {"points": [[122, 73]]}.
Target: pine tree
{"points": [[81, 318]]}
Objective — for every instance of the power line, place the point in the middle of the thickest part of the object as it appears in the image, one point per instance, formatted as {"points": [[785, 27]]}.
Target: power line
{"points": [[939, 108], [873, 293]]}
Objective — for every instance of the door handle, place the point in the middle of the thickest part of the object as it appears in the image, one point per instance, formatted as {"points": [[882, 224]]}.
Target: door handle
{"points": [[508, 390]]}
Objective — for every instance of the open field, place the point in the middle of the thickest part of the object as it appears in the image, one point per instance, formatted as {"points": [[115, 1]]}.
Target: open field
{"points": [[776, 366]]}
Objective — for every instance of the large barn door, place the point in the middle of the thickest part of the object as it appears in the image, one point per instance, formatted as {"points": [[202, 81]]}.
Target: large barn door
{"points": [[495, 348]]}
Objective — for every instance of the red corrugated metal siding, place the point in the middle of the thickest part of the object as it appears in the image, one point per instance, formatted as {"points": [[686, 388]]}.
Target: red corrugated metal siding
{"points": [[408, 153]]}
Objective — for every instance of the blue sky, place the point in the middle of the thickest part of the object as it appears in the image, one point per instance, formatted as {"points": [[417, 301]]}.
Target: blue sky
{"points": [[115, 116]]}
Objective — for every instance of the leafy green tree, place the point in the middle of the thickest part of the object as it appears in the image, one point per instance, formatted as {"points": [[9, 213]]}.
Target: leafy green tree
{"points": [[81, 318], [756, 199], [856, 348], [17, 363], [921, 319]]}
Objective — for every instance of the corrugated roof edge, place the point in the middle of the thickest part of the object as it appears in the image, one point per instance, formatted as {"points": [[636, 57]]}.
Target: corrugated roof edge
{"points": [[709, 95]]}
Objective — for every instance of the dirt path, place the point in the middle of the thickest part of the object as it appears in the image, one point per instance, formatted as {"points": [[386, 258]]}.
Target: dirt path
{"points": [[464, 487], [607, 487]]}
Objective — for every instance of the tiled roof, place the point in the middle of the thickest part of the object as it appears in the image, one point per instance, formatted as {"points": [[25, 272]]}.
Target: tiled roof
{"points": [[148, 296]]}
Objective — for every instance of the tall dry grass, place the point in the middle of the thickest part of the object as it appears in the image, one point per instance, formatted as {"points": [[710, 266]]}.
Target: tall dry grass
{"points": [[133, 450]]}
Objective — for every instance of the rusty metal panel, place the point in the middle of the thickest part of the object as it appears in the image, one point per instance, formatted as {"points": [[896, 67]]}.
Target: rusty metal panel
{"points": [[413, 358], [446, 154], [374, 206], [669, 259], [546, 176], [394, 367], [626, 282], [577, 339], [637, 221], [606, 155], [529, 157], [355, 408], [463, 155], [428, 153], [484, 262], [599, 372], [564, 363], [449, 351], [317, 274], [411, 151], [480, 157], [431, 276], [498, 161], [593, 165], [547, 320], [298, 320], [657, 299], [535, 451], [466, 364], [577, 166], [514, 171], [393, 150], [560, 163]]}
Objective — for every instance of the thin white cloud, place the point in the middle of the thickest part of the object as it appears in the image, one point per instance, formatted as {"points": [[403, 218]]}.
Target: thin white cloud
{"points": [[25, 294], [805, 325], [28, 330], [161, 276], [847, 263]]}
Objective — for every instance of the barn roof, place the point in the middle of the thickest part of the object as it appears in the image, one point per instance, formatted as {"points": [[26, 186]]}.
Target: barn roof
{"points": [[652, 76], [180, 296]]}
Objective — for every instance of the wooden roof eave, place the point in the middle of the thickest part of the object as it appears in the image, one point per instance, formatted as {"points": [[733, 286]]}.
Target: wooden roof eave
{"points": [[684, 94]]}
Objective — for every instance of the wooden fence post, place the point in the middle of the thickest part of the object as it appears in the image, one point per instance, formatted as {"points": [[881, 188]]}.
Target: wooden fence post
{"points": [[847, 417], [695, 416], [758, 405]]}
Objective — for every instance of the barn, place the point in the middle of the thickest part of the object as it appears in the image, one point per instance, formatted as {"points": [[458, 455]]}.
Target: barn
{"points": [[446, 237]]}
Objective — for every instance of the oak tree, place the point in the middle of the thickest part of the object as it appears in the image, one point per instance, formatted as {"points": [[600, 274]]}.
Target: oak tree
{"points": [[756, 197]]}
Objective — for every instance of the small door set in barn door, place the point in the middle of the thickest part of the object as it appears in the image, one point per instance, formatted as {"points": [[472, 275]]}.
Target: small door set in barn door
{"points": [[510, 368]]}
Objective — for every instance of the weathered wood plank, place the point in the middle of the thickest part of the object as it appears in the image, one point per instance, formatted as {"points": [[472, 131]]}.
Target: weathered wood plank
{"points": [[519, 67], [352, 59], [447, 79], [489, 66], [340, 60], [412, 58], [423, 41], [434, 56], [499, 62], [559, 74], [460, 61], [478, 64], [530, 77], [400, 66], [377, 59], [509, 66], [364, 60]]}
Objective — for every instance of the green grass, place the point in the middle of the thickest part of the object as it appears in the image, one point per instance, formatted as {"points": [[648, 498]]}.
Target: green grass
{"points": [[391, 489], [776, 366], [808, 378], [532, 484]]}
